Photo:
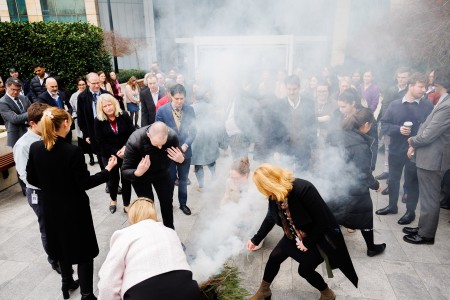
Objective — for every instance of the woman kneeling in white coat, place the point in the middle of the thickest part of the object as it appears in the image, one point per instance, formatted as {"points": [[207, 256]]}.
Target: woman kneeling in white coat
{"points": [[146, 261]]}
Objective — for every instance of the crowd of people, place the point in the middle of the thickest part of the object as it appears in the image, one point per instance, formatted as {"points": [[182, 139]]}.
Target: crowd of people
{"points": [[148, 136]]}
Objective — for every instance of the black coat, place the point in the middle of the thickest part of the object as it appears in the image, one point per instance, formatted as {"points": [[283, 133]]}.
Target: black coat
{"points": [[36, 88], [353, 208], [63, 177], [85, 117], [148, 108], [109, 142], [311, 215], [46, 98], [138, 146]]}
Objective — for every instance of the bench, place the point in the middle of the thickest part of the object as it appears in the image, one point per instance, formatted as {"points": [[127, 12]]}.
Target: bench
{"points": [[6, 162]]}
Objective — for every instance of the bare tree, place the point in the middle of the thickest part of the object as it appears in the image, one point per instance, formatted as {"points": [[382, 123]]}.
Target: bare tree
{"points": [[121, 46]]}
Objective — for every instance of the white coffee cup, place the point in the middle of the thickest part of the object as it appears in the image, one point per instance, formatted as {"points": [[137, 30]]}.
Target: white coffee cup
{"points": [[408, 124]]}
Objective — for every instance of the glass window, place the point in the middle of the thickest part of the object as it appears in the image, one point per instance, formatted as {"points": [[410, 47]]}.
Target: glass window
{"points": [[17, 10], [63, 10]]}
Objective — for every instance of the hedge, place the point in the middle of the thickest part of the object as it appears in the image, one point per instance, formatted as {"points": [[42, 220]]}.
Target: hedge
{"points": [[125, 74], [68, 50]]}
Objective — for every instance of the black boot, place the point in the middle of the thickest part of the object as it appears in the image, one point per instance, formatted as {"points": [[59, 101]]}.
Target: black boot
{"points": [[86, 276], [68, 284], [372, 249]]}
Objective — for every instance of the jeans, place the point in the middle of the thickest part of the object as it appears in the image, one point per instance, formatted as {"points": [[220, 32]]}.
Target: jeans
{"points": [[183, 172]]}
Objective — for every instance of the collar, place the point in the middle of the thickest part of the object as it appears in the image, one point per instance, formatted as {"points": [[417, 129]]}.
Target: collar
{"points": [[57, 94], [11, 96], [174, 108], [441, 98], [292, 103], [416, 100]]}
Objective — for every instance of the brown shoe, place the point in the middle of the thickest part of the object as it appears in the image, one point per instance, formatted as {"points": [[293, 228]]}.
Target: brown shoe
{"points": [[327, 294], [263, 292]]}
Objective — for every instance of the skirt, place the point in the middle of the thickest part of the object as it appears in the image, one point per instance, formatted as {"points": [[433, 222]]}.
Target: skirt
{"points": [[132, 107]]}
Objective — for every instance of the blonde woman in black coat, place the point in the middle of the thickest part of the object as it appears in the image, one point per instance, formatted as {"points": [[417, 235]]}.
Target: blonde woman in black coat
{"points": [[59, 170], [112, 130]]}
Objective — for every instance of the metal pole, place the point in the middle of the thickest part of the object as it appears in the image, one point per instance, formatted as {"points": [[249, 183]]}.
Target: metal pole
{"points": [[113, 40]]}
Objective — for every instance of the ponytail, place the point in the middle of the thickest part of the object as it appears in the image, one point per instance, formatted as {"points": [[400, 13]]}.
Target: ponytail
{"points": [[51, 122], [357, 119]]}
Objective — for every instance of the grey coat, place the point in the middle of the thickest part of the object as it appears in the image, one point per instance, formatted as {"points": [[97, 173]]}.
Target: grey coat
{"points": [[432, 142], [205, 148], [16, 122]]}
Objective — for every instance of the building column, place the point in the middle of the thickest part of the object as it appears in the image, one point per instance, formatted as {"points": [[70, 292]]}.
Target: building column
{"points": [[92, 16], [4, 12], [340, 34], [150, 35], [34, 10]]}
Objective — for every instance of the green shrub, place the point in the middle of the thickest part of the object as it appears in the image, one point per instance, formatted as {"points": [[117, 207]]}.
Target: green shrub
{"points": [[68, 50], [124, 75]]}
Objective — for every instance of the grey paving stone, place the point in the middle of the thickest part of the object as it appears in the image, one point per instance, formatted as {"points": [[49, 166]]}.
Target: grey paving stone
{"points": [[436, 279]]}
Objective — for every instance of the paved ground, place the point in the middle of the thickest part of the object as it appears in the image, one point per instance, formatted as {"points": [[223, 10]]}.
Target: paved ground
{"points": [[404, 271]]}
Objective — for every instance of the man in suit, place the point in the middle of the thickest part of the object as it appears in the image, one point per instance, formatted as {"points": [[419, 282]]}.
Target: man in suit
{"points": [[431, 149], [181, 118], [55, 97], [298, 130], [414, 108], [149, 97], [87, 111], [13, 108]]}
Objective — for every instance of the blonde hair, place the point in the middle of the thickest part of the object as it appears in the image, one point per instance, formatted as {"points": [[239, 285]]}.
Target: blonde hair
{"points": [[273, 181], [141, 209], [101, 116], [51, 122], [130, 83]]}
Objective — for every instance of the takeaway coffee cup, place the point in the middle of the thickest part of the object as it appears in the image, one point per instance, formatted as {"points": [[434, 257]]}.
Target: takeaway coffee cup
{"points": [[408, 124]]}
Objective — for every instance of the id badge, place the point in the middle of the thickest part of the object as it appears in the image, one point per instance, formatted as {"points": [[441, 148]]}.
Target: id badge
{"points": [[34, 198]]}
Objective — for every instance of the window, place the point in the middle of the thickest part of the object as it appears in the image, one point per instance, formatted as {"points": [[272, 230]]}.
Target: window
{"points": [[63, 10], [17, 10]]}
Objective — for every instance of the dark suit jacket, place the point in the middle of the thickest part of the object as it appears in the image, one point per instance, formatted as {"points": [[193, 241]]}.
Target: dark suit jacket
{"points": [[46, 98], [108, 141], [16, 122], [85, 116], [148, 108], [63, 176], [187, 131]]}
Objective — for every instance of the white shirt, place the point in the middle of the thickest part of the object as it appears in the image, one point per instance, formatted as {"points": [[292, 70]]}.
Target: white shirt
{"points": [[21, 152], [138, 252]]}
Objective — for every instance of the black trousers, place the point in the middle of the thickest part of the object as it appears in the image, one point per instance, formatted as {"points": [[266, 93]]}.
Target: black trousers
{"points": [[113, 183], [171, 285], [396, 165], [308, 261], [164, 189], [85, 275], [39, 211]]}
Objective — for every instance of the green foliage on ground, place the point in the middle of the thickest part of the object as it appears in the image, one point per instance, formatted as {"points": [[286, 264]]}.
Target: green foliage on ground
{"points": [[68, 50], [224, 286]]}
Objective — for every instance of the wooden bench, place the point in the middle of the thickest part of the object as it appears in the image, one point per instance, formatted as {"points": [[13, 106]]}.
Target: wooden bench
{"points": [[6, 162]]}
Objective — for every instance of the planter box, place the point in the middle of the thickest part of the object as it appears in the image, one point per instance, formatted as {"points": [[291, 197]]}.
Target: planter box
{"points": [[12, 177]]}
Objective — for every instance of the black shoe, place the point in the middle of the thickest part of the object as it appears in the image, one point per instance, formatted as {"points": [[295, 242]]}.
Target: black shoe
{"points": [[407, 218], [107, 189], [71, 285], [382, 176], [112, 208], [188, 182], [119, 190], [445, 203], [56, 267], [385, 191], [185, 209], [377, 249], [410, 230], [404, 198], [387, 210], [417, 239], [137, 126], [89, 296]]}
